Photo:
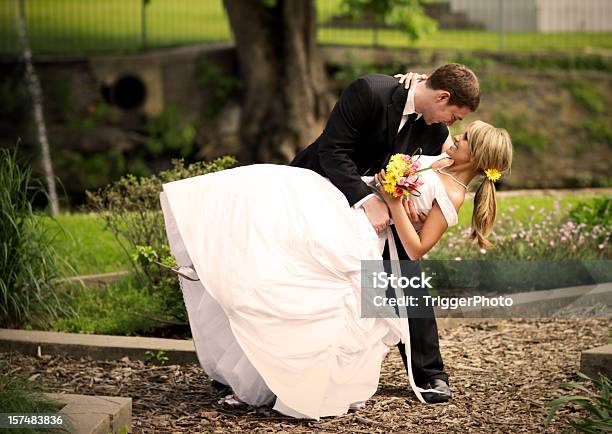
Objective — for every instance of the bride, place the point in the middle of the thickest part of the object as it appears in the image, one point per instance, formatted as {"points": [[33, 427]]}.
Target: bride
{"points": [[276, 253]]}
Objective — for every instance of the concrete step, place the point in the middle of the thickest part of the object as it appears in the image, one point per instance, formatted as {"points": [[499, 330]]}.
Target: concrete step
{"points": [[597, 360], [95, 279], [96, 414], [98, 347]]}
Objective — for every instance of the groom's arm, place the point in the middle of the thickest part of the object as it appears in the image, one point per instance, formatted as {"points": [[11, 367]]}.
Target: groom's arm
{"points": [[349, 117]]}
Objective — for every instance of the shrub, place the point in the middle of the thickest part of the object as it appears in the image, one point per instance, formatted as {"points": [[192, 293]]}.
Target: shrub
{"points": [[220, 87], [594, 213], [131, 210], [28, 262], [168, 133]]}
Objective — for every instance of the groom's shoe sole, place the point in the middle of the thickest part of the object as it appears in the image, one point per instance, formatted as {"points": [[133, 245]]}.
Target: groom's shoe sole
{"points": [[437, 398]]}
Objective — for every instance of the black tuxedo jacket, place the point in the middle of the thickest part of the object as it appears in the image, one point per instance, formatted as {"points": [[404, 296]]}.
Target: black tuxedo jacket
{"points": [[361, 135]]}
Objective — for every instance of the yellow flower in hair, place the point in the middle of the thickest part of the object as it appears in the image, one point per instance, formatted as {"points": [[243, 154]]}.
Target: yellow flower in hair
{"points": [[492, 174]]}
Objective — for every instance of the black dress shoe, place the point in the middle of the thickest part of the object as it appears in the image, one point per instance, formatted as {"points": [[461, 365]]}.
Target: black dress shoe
{"points": [[440, 386], [218, 386]]}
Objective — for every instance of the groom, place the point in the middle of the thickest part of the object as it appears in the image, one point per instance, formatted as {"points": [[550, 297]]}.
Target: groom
{"points": [[374, 118]]}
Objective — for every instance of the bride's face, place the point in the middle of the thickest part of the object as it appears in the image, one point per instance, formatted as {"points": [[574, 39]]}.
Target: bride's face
{"points": [[459, 151]]}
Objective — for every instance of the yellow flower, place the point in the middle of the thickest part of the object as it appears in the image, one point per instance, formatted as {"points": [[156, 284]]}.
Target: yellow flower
{"points": [[395, 170], [493, 174]]}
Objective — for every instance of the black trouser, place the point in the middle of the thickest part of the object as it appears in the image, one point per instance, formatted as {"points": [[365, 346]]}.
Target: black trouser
{"points": [[424, 345]]}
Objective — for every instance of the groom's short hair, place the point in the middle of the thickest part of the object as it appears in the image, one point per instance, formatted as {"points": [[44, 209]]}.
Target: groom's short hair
{"points": [[460, 81]]}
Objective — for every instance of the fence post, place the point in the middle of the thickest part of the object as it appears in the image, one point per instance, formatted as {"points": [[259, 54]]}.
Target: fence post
{"points": [[35, 90], [143, 24], [501, 24]]}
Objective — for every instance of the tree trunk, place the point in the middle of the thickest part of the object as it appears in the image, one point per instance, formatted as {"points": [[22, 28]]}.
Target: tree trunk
{"points": [[285, 97], [37, 102]]}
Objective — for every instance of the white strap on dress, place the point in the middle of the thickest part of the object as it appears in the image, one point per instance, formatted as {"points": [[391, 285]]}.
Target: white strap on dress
{"points": [[395, 269]]}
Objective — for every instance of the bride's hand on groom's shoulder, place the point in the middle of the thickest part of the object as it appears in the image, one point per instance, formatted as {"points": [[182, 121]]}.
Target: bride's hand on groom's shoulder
{"points": [[410, 79]]}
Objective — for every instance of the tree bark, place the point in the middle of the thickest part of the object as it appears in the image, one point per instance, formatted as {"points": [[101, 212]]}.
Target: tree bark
{"points": [[37, 102], [285, 97]]}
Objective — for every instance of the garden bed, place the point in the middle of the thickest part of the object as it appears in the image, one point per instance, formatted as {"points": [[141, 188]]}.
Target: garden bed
{"points": [[502, 374]]}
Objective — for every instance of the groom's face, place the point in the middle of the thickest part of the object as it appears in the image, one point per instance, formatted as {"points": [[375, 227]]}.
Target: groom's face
{"points": [[445, 113], [440, 111]]}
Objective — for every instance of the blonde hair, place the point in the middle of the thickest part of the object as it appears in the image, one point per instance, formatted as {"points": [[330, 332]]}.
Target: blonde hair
{"points": [[490, 148]]}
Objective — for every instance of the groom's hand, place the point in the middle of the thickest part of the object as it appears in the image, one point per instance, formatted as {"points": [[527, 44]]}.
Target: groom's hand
{"points": [[377, 213], [414, 215]]}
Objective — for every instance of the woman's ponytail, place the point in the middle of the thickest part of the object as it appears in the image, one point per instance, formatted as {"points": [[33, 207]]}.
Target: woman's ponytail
{"points": [[491, 153], [485, 211]]}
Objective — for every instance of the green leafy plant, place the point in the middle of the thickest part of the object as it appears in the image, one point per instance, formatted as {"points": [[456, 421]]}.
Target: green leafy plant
{"points": [[146, 255], [131, 211], [157, 357], [220, 87], [596, 212], [598, 406], [408, 15], [168, 132], [28, 261]]}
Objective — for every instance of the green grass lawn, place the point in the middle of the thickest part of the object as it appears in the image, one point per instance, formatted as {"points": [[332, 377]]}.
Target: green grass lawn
{"points": [[523, 208], [85, 26], [470, 40], [84, 243]]}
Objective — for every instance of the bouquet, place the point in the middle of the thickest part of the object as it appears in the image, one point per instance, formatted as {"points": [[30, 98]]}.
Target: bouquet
{"points": [[402, 176]]}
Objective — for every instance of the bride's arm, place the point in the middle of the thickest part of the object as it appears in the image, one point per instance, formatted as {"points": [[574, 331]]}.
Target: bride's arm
{"points": [[415, 244]]}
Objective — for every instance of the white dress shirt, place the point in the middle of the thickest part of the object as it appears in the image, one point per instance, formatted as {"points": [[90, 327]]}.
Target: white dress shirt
{"points": [[408, 109]]}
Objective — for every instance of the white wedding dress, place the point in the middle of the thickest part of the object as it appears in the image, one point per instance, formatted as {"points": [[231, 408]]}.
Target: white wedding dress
{"points": [[276, 312]]}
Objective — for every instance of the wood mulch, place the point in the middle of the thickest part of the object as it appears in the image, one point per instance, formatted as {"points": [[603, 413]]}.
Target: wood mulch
{"points": [[502, 374]]}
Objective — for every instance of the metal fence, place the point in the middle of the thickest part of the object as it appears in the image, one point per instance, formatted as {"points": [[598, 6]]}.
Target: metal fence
{"points": [[93, 26]]}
